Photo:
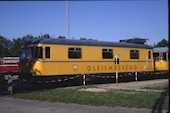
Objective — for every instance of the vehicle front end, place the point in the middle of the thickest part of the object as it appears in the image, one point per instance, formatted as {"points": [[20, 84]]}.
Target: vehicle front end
{"points": [[29, 62]]}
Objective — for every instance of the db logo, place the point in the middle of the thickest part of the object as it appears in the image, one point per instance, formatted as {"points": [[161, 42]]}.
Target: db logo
{"points": [[75, 67]]}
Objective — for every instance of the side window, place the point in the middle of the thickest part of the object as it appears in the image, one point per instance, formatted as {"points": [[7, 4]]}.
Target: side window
{"points": [[47, 52], [9, 62], [134, 54], [75, 53], [38, 52], [167, 55], [163, 56], [107, 53], [156, 56], [149, 54]]}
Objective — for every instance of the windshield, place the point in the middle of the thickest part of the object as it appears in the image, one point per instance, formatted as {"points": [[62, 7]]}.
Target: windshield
{"points": [[26, 53], [31, 52]]}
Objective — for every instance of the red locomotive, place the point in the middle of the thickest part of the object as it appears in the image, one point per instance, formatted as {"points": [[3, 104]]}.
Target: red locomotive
{"points": [[9, 65]]}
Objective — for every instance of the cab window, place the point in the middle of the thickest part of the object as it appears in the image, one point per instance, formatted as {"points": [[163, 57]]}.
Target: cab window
{"points": [[156, 56], [149, 54], [163, 56], [47, 52], [38, 52]]}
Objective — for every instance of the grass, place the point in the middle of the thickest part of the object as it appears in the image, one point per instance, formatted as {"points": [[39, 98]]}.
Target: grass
{"points": [[158, 87], [149, 100]]}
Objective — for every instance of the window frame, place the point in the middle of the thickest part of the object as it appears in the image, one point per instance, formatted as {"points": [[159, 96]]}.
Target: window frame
{"points": [[107, 53], [39, 52], [74, 53], [149, 54], [164, 56], [134, 54], [156, 56], [47, 52]]}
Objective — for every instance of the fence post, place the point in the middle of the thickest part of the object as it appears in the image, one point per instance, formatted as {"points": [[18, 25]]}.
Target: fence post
{"points": [[136, 76], [84, 79], [117, 77], [10, 85]]}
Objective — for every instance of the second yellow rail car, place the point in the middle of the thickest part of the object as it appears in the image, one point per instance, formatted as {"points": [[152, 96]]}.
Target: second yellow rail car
{"points": [[47, 57], [161, 58]]}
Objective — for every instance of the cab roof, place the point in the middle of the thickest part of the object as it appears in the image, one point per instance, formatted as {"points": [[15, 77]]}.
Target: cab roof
{"points": [[160, 49], [59, 41]]}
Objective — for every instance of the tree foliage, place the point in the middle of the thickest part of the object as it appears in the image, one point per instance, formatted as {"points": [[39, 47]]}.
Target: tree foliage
{"points": [[162, 43], [12, 48], [5, 46], [18, 43]]}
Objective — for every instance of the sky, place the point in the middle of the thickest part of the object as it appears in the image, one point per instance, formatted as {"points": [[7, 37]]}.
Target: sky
{"points": [[102, 20]]}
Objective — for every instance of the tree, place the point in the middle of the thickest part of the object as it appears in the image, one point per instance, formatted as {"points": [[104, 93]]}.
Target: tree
{"points": [[1, 50], [162, 43], [5, 46], [12, 48], [18, 43]]}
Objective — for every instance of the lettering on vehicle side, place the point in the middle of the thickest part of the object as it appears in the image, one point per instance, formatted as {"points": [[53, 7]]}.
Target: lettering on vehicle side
{"points": [[111, 67]]}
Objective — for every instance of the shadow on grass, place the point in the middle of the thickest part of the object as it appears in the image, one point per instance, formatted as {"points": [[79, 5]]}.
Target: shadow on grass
{"points": [[26, 87], [158, 106], [30, 87]]}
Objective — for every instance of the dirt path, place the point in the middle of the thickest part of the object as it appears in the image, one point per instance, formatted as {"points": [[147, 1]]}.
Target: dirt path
{"points": [[149, 85]]}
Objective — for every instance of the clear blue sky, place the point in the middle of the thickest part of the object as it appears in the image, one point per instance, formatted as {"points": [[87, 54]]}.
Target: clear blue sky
{"points": [[101, 20]]}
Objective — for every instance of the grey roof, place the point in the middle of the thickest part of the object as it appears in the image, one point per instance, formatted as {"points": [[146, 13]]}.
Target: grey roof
{"points": [[160, 49], [86, 43]]}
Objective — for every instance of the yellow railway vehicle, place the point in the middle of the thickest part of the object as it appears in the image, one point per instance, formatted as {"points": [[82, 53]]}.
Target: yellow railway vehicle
{"points": [[161, 58], [50, 58]]}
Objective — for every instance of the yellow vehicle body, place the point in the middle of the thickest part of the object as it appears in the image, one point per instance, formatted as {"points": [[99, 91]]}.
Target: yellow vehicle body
{"points": [[91, 61], [161, 66]]}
